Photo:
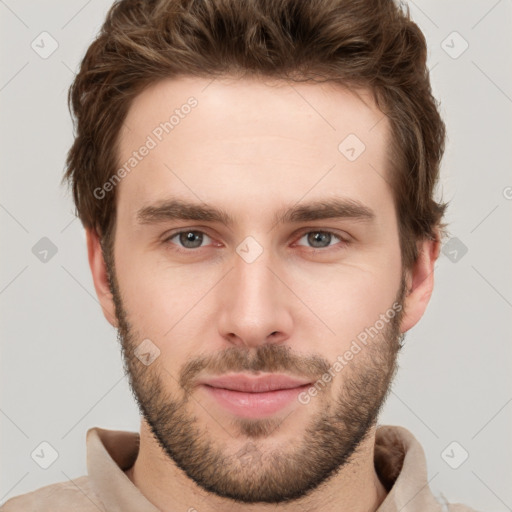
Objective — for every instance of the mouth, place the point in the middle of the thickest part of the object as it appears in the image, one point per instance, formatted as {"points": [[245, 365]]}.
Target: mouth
{"points": [[254, 396]]}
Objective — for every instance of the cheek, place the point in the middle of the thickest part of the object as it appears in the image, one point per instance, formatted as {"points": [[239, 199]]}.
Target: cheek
{"points": [[166, 304], [159, 303], [147, 298], [347, 298]]}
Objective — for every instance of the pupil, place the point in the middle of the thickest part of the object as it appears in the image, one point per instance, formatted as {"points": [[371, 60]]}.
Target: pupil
{"points": [[318, 236], [189, 238]]}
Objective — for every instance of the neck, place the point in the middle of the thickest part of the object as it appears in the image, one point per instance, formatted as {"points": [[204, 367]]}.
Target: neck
{"points": [[355, 487]]}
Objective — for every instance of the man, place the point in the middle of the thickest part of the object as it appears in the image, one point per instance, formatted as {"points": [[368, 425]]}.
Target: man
{"points": [[256, 181]]}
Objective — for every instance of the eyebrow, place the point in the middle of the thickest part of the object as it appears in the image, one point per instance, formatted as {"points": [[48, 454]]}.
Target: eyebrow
{"points": [[330, 208]]}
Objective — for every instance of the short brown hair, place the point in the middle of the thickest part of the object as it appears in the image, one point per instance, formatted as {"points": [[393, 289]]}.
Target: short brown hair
{"points": [[357, 43]]}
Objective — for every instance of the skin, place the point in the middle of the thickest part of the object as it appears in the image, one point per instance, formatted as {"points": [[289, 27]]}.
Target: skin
{"points": [[253, 147]]}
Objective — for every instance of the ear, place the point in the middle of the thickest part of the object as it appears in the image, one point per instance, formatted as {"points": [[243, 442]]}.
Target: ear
{"points": [[100, 275], [420, 283]]}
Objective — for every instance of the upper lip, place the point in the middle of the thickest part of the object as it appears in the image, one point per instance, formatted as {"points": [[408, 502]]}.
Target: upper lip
{"points": [[253, 383]]}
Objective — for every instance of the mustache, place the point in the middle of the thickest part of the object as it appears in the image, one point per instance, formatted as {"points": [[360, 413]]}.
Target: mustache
{"points": [[265, 358]]}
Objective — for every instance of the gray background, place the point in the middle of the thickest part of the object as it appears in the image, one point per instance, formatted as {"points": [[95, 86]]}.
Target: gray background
{"points": [[61, 370]]}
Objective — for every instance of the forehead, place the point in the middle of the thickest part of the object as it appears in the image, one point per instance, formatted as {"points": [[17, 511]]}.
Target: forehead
{"points": [[252, 105], [252, 142]]}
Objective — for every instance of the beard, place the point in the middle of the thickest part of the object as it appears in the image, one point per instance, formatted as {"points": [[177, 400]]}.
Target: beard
{"points": [[252, 472]]}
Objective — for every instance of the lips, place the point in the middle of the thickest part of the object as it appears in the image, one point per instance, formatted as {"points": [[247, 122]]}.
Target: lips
{"points": [[254, 396], [255, 383]]}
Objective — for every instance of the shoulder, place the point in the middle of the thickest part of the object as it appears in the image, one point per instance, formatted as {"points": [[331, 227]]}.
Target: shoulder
{"points": [[76, 495], [445, 506], [459, 507]]}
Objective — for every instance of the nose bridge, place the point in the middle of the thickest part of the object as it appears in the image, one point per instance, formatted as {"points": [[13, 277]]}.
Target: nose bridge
{"points": [[253, 282], [255, 307]]}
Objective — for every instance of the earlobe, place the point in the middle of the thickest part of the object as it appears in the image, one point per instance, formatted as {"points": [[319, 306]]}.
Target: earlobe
{"points": [[420, 283], [100, 276]]}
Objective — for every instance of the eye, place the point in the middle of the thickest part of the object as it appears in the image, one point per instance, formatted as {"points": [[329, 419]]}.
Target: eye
{"points": [[321, 239], [190, 239]]}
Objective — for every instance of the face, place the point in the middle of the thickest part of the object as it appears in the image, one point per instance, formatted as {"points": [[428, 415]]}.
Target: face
{"points": [[253, 239]]}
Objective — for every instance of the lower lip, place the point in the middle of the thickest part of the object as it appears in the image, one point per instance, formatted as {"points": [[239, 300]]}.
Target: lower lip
{"points": [[254, 405]]}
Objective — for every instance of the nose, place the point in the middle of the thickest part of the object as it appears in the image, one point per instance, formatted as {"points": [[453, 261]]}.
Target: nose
{"points": [[255, 304]]}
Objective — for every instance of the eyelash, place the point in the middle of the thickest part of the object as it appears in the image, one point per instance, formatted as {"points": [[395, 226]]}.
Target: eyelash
{"points": [[344, 241]]}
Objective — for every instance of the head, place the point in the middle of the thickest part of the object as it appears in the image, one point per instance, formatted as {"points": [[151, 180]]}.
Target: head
{"points": [[219, 145]]}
